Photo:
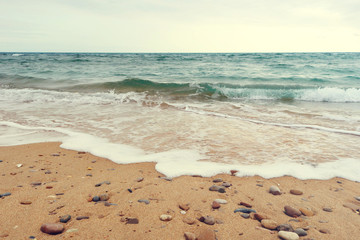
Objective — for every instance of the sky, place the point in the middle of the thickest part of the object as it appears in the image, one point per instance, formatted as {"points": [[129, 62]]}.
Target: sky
{"points": [[180, 26]]}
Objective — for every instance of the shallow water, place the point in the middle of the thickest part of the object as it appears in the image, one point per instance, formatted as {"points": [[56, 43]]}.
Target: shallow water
{"points": [[266, 114]]}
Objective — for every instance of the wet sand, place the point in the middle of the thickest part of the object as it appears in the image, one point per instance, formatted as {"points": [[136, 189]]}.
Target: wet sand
{"points": [[53, 182]]}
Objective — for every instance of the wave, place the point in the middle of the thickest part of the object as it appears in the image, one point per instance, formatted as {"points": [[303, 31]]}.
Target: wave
{"points": [[215, 91]]}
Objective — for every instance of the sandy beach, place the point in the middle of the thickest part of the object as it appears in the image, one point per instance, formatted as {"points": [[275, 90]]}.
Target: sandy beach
{"points": [[40, 183]]}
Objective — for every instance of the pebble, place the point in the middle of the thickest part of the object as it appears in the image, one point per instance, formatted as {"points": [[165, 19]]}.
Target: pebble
{"points": [[357, 198], [65, 218], [220, 201], [104, 197], [306, 212], [214, 188], [260, 217], [301, 232], [288, 235], [323, 221], [165, 217], [82, 217], [216, 180], [104, 182], [96, 199], [292, 212], [107, 204], [19, 165], [226, 184], [327, 209], [269, 224], [140, 179], [184, 206], [130, 191], [222, 190], [5, 194], [352, 206], [296, 192], [244, 210], [72, 230], [25, 202], [132, 221], [144, 201], [189, 236], [32, 237], [208, 220], [215, 205], [245, 215], [189, 220], [48, 172], [36, 183], [285, 227], [1, 160], [183, 212], [88, 175], [52, 228], [245, 204], [274, 190], [207, 234], [325, 231]]}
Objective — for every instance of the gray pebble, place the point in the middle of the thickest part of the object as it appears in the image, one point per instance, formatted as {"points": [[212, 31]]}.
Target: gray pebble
{"points": [[245, 215], [144, 201], [357, 198], [285, 227], [244, 210], [65, 218], [5, 194], [96, 198], [82, 217], [301, 232], [327, 209], [216, 180]]}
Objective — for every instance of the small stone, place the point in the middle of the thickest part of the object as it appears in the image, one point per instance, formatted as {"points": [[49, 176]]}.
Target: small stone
{"points": [[220, 201], [19, 165], [189, 220], [214, 188], [49, 187], [104, 197], [269, 224], [215, 205], [52, 228], [325, 231], [327, 209], [55, 155], [292, 212], [5, 194], [93, 161], [208, 220], [233, 172], [89, 175], [259, 185], [244, 210], [96, 199], [65, 218], [25, 202], [226, 184], [48, 172], [323, 221], [140, 179], [184, 206], [72, 230], [36, 183], [82, 217], [301, 232], [285, 227], [306, 212], [165, 217], [288, 235], [129, 190], [216, 180], [132, 221], [274, 190], [189, 236], [245, 215], [260, 217], [357, 198], [296, 192], [32, 237], [144, 201], [206, 234], [183, 212], [245, 204]]}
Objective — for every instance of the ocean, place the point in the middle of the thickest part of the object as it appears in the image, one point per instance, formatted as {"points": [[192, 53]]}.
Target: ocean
{"points": [[267, 114]]}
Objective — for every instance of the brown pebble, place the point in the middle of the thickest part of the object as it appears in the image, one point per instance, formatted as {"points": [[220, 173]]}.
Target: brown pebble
{"points": [[52, 228], [184, 206], [189, 236], [292, 212], [306, 212], [327, 209], [104, 197], [82, 217], [259, 217], [132, 221], [245, 204], [189, 220], [215, 205], [296, 192], [49, 187], [269, 224], [325, 231], [25, 202], [206, 234]]}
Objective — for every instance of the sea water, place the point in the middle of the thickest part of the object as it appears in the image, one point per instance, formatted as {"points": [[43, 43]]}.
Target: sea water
{"points": [[268, 114]]}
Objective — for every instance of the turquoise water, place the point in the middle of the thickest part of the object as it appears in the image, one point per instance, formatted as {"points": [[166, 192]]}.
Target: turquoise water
{"points": [[269, 114]]}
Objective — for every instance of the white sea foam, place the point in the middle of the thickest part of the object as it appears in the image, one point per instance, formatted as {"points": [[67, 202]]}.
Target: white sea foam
{"points": [[176, 162]]}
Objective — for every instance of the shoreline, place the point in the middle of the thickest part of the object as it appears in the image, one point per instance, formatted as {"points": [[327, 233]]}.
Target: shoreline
{"points": [[67, 182]]}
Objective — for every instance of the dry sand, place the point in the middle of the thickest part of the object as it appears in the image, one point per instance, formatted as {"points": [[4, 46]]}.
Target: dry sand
{"points": [[66, 190]]}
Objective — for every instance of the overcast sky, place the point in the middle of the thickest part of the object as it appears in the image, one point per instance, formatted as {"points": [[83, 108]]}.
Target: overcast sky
{"points": [[180, 26]]}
